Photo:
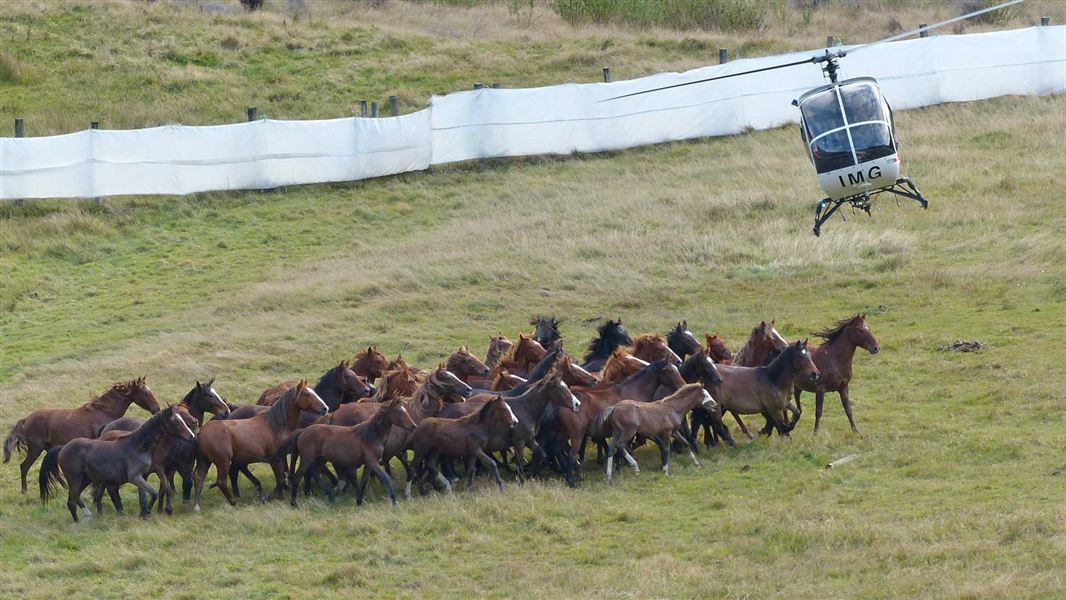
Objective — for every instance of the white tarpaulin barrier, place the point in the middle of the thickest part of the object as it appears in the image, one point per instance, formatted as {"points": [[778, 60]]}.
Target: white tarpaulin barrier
{"points": [[492, 123]]}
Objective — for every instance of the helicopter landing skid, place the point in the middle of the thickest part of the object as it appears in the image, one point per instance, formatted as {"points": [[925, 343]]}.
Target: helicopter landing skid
{"points": [[827, 206]]}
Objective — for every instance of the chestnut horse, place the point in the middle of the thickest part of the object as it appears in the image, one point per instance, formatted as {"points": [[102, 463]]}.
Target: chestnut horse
{"points": [[833, 359], [717, 349], [766, 390], [619, 366], [682, 342], [370, 364], [108, 464], [498, 347], [609, 336], [573, 373], [522, 356], [763, 343], [652, 347], [247, 441], [347, 448], [469, 368], [658, 421], [466, 437], [46, 428]]}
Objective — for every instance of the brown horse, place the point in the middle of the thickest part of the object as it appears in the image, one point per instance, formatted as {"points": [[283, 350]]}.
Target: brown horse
{"points": [[253, 440], [466, 437], [109, 464], [370, 364], [658, 421], [502, 380], [400, 382], [763, 342], [766, 390], [498, 347], [522, 356], [682, 341], [834, 359], [700, 368], [717, 349], [619, 366], [652, 347], [575, 374], [347, 448], [337, 386], [45, 428], [469, 369]]}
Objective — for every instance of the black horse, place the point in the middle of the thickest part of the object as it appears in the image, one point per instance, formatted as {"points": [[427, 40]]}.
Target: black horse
{"points": [[610, 335], [699, 368], [682, 342], [547, 331]]}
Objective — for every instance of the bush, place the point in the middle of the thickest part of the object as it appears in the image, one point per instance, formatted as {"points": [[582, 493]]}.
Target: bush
{"points": [[724, 15], [992, 18], [9, 69]]}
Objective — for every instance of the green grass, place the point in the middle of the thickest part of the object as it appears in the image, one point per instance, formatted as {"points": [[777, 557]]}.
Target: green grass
{"points": [[957, 491]]}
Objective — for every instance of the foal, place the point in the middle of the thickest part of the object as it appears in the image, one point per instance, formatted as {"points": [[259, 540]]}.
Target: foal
{"points": [[465, 437], [109, 463], [657, 421], [348, 448]]}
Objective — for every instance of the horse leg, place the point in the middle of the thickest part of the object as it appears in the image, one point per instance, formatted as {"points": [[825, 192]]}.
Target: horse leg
{"points": [[796, 393], [471, 468], [796, 412], [385, 479], [819, 398], [744, 428], [691, 454], [74, 489], [247, 472], [611, 449], [98, 498], [235, 484], [360, 491], [294, 482], [222, 470], [32, 452], [116, 501], [664, 453], [491, 464], [199, 473], [142, 485], [846, 401], [279, 478]]}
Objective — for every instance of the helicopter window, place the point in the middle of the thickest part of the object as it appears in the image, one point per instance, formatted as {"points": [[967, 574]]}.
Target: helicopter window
{"points": [[821, 113], [872, 140], [862, 102], [832, 152]]}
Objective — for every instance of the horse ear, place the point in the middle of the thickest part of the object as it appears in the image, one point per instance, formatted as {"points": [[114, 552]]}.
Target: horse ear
{"points": [[212, 382], [198, 383]]}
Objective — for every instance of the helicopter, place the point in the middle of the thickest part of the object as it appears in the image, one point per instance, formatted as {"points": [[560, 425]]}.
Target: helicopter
{"points": [[848, 130]]}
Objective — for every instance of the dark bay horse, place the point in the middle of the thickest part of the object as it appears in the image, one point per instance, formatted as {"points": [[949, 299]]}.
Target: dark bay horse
{"points": [[682, 341], [833, 359], [718, 350], [766, 390], [347, 449], [658, 421], [700, 368], [175, 455], [247, 441], [466, 437], [546, 331], [469, 368], [45, 428], [573, 373], [498, 347], [109, 464], [609, 336], [763, 343], [337, 386]]}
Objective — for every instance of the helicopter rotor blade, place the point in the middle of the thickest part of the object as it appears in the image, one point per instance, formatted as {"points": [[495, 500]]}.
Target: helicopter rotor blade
{"points": [[677, 85], [935, 25]]}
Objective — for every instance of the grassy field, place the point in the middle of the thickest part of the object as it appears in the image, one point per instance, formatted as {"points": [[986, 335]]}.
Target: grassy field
{"points": [[959, 485]]}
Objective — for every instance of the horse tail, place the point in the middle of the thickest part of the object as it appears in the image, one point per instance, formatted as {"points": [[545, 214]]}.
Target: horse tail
{"points": [[49, 478], [287, 447], [601, 422], [16, 440], [547, 418]]}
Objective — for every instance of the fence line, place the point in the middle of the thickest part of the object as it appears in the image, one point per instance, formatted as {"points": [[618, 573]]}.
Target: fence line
{"points": [[491, 122]]}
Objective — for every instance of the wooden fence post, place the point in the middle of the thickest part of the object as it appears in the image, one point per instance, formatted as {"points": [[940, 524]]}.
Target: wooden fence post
{"points": [[496, 85], [373, 110], [253, 113], [394, 106], [607, 74], [1045, 21], [924, 32], [828, 41], [723, 56], [362, 109], [480, 86], [19, 130]]}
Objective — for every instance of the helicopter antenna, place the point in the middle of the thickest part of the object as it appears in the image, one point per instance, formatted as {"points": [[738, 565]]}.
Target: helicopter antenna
{"points": [[829, 57], [936, 25]]}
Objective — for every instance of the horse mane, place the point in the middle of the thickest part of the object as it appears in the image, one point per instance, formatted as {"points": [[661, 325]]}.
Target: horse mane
{"points": [[834, 331], [277, 415], [609, 336], [617, 368], [492, 358], [644, 340], [685, 388], [150, 428], [379, 422], [744, 354], [483, 412], [780, 362], [453, 361], [106, 400], [423, 396]]}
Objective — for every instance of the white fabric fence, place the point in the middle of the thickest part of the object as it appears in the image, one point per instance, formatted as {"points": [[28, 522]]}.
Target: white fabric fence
{"points": [[490, 123]]}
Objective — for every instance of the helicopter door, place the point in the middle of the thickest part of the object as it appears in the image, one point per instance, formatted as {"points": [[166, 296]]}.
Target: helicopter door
{"points": [[847, 127]]}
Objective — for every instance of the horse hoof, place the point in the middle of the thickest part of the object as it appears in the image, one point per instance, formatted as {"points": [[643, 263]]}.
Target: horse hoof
{"points": [[196, 508]]}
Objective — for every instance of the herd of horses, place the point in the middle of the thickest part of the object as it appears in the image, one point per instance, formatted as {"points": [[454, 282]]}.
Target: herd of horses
{"points": [[479, 414]]}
